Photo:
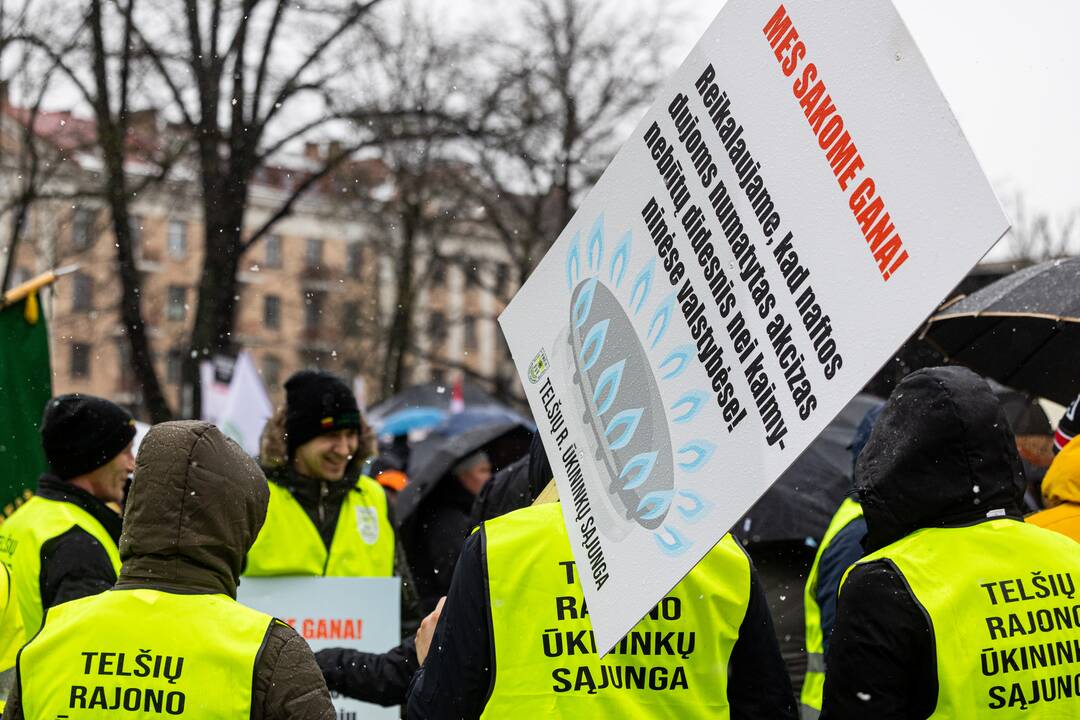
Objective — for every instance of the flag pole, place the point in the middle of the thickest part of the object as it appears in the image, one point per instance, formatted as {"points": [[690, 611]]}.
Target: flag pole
{"points": [[19, 292]]}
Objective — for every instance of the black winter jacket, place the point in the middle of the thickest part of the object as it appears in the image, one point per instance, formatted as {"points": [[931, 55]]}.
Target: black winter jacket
{"points": [[940, 455], [75, 565]]}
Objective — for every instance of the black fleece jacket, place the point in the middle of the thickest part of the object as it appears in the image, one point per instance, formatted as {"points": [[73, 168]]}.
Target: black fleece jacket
{"points": [[940, 455], [75, 565]]}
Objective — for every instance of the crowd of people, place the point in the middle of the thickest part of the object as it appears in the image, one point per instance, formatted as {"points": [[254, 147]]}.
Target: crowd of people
{"points": [[933, 593]]}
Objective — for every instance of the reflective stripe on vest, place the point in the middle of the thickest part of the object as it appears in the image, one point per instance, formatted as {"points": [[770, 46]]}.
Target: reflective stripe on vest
{"points": [[143, 654], [1002, 601], [814, 684], [21, 538], [11, 634], [672, 664], [290, 544]]}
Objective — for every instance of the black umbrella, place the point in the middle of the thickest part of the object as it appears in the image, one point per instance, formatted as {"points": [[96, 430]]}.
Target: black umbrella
{"points": [[1023, 330], [430, 396], [501, 434], [801, 503]]}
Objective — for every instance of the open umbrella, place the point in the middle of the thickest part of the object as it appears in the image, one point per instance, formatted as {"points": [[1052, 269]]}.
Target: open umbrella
{"points": [[424, 403], [800, 504], [1023, 330]]}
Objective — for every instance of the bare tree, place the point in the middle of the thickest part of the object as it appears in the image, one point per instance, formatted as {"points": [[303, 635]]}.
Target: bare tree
{"points": [[1036, 237], [563, 97]]}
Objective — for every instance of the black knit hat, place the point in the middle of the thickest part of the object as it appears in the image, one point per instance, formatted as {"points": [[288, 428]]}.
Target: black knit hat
{"points": [[317, 402], [80, 433]]}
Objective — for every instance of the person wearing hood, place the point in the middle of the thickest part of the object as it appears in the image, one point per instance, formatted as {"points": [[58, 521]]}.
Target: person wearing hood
{"points": [[170, 638], [62, 543], [934, 620], [1061, 494], [491, 653], [325, 518], [840, 548]]}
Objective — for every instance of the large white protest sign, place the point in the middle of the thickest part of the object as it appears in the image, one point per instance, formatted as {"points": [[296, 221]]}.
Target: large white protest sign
{"points": [[793, 205], [359, 613]]}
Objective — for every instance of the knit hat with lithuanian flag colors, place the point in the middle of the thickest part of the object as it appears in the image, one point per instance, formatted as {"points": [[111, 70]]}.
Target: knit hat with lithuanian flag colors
{"points": [[317, 402]]}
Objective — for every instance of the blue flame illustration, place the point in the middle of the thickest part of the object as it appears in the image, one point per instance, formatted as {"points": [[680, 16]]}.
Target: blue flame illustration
{"points": [[642, 466], [596, 243], [607, 386], [662, 315], [680, 356], [654, 505], [701, 450], [674, 546], [583, 304], [593, 344], [573, 261], [642, 284], [694, 400], [619, 260], [697, 507], [627, 420]]}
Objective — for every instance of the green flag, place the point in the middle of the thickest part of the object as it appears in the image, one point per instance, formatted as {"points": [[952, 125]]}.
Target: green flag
{"points": [[25, 387]]}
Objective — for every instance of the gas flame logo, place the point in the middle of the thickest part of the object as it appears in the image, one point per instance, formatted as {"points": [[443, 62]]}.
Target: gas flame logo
{"points": [[622, 352]]}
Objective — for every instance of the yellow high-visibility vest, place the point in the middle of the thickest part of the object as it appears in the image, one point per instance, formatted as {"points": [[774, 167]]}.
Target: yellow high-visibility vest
{"points": [[143, 654], [1002, 601], [290, 544], [814, 683], [11, 634], [21, 538], [674, 663]]}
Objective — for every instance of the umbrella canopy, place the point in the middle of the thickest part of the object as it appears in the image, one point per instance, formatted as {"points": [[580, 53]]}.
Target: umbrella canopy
{"points": [[426, 401], [1023, 330], [405, 421], [800, 504], [502, 434]]}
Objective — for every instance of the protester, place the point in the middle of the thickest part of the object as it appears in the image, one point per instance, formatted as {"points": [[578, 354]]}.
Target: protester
{"points": [[388, 467], [1068, 427], [928, 622], [840, 548], [441, 524], [488, 654], [324, 517], [1061, 494], [170, 636], [12, 634], [62, 543]]}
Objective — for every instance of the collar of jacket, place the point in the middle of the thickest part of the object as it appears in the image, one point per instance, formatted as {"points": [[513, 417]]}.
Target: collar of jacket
{"points": [[52, 487], [310, 492]]}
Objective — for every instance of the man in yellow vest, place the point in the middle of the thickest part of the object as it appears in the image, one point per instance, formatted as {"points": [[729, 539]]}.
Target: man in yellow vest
{"points": [[514, 638], [841, 547], [324, 517], [170, 638], [11, 634], [61, 544], [959, 609]]}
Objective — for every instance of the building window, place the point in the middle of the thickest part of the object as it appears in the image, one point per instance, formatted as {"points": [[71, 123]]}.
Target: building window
{"points": [[438, 272], [176, 308], [355, 260], [271, 312], [82, 293], [177, 240], [271, 371], [80, 361], [82, 228], [273, 251], [470, 333], [437, 326], [438, 375], [350, 318], [502, 279], [313, 253], [135, 231], [313, 307], [472, 271], [174, 366]]}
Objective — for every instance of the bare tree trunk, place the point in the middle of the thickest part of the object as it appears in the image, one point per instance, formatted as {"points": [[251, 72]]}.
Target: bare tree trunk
{"points": [[399, 338]]}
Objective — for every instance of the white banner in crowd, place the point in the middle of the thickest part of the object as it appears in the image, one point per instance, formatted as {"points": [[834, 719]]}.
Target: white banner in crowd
{"points": [[358, 613], [247, 406], [794, 204]]}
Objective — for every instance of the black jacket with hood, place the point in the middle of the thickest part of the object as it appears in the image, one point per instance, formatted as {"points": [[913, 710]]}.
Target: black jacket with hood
{"points": [[196, 506], [940, 455]]}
